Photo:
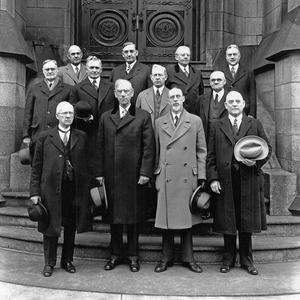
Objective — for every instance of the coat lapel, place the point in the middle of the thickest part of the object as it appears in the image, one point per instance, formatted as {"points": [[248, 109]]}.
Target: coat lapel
{"points": [[74, 139], [56, 140], [206, 104], [183, 126], [164, 99], [226, 128], [57, 89], [124, 121], [150, 99], [135, 71], [180, 75], [239, 74], [167, 125], [89, 89], [103, 90], [44, 88], [82, 73], [245, 125], [70, 72]]}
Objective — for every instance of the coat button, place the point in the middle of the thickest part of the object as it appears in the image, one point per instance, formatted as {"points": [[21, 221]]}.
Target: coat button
{"points": [[48, 112], [185, 164], [185, 148], [185, 180], [60, 155]]}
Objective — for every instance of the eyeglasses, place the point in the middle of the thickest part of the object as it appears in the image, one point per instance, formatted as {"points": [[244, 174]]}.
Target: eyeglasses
{"points": [[65, 113], [123, 91]]}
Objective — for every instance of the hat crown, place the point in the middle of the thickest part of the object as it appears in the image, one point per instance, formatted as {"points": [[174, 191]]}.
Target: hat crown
{"points": [[251, 150]]}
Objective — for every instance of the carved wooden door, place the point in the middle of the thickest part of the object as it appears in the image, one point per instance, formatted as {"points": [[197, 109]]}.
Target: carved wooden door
{"points": [[157, 27]]}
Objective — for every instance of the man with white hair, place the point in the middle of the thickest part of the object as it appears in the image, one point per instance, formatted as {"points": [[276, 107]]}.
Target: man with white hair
{"points": [[155, 99], [184, 76], [234, 181], [41, 101], [59, 180], [74, 72], [210, 106]]}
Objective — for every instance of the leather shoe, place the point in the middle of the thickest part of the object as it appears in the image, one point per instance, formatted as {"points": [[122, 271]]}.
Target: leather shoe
{"points": [[68, 266], [250, 269], [193, 267], [225, 269], [134, 266], [111, 264], [47, 271], [162, 266]]}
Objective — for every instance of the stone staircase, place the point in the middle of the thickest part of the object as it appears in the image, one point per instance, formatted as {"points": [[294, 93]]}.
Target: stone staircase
{"points": [[280, 243]]}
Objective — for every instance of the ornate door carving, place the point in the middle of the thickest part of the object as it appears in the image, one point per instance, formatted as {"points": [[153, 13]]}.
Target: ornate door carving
{"points": [[158, 27]]}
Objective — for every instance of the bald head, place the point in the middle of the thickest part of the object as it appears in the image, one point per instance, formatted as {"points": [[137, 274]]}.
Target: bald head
{"points": [[64, 106], [234, 103], [74, 55], [183, 55]]}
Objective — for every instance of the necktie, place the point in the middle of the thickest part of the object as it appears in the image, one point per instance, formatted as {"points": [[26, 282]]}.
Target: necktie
{"points": [[157, 103], [77, 71], [176, 120], [65, 137], [95, 84], [216, 99], [186, 71], [50, 86], [232, 72], [128, 69], [235, 126]]}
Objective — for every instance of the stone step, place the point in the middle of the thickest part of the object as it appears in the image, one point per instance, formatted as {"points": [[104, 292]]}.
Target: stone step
{"points": [[207, 249], [15, 198], [277, 225]]}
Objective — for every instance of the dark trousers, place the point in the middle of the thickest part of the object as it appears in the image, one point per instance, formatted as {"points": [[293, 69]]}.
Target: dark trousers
{"points": [[50, 246], [69, 223], [168, 245], [245, 238], [117, 245]]}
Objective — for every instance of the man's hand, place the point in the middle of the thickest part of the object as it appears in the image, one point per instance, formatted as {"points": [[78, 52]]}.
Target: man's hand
{"points": [[27, 140], [248, 162], [215, 186], [100, 180], [143, 179], [35, 199]]}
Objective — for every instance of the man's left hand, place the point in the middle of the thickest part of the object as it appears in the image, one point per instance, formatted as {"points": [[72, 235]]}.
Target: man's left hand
{"points": [[143, 180]]}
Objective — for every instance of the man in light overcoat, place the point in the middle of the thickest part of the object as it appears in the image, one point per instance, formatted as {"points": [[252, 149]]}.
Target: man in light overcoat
{"points": [[180, 168]]}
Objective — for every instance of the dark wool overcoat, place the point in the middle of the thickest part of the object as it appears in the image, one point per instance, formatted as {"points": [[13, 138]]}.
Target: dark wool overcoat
{"points": [[40, 107], [47, 176], [125, 150], [219, 160], [191, 86]]}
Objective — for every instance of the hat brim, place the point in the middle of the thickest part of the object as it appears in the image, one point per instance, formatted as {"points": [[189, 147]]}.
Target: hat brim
{"points": [[38, 212], [193, 203], [99, 197], [251, 139]]}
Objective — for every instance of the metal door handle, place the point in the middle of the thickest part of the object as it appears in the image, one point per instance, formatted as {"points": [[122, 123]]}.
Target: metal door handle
{"points": [[134, 22], [140, 22]]}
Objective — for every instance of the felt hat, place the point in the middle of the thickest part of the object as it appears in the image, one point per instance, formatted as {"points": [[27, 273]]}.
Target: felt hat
{"points": [[83, 110], [200, 201], [24, 154], [251, 147], [98, 195], [38, 212]]}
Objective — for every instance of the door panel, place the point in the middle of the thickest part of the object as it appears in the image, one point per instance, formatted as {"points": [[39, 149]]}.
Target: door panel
{"points": [[157, 27]]}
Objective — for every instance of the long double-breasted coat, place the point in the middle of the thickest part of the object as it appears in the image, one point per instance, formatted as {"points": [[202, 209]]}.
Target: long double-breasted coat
{"points": [[40, 107], [47, 176], [67, 74], [125, 150], [139, 76], [181, 161], [191, 86], [219, 162]]}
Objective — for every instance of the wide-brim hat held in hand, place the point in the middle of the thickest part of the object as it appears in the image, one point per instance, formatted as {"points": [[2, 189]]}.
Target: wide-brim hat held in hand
{"points": [[24, 154], [98, 195], [200, 201], [251, 147]]}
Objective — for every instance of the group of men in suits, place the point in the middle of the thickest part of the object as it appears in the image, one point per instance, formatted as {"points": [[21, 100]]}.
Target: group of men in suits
{"points": [[122, 119]]}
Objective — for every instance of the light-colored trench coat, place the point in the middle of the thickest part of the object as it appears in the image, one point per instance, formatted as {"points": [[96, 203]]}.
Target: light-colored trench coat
{"points": [[181, 161]]}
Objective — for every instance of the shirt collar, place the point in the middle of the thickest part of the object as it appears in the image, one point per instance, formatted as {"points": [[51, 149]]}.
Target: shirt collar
{"points": [[126, 108], [187, 67], [220, 94], [174, 115], [64, 129], [160, 89], [235, 67], [97, 80], [239, 119], [130, 65], [74, 67]]}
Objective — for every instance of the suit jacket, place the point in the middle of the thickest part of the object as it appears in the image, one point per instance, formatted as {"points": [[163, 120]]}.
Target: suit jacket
{"points": [[243, 82], [203, 108], [40, 107], [47, 177], [67, 74], [191, 86], [126, 150], [219, 164], [146, 101], [181, 160], [139, 76], [100, 101]]}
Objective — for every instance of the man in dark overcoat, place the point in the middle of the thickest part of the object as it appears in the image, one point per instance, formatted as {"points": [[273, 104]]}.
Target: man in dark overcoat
{"points": [[237, 206], [239, 78], [59, 179], [41, 101], [132, 70], [125, 159], [210, 106], [184, 76], [99, 94]]}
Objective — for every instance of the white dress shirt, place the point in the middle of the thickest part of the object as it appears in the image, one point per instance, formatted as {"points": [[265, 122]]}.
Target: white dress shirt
{"points": [[123, 111], [239, 120], [97, 81], [62, 133], [220, 95], [74, 68], [184, 69]]}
